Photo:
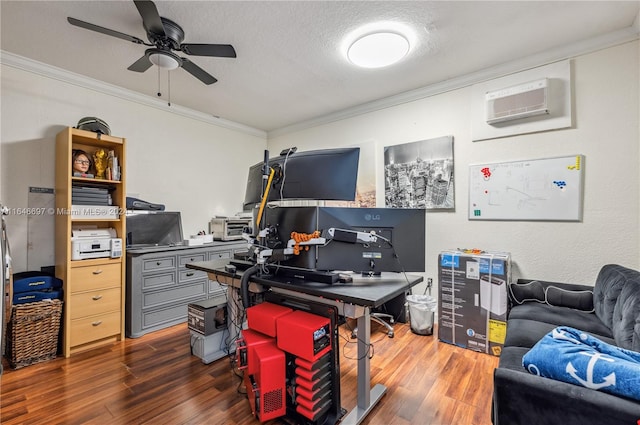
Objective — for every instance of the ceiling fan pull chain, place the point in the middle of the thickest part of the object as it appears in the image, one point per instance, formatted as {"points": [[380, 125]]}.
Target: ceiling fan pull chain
{"points": [[169, 86], [159, 93]]}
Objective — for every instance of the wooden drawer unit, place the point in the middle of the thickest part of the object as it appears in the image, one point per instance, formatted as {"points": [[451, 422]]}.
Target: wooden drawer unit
{"points": [[160, 286], [93, 328], [93, 286], [89, 278], [95, 302]]}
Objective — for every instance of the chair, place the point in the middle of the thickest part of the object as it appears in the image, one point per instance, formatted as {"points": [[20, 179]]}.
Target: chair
{"points": [[378, 318]]}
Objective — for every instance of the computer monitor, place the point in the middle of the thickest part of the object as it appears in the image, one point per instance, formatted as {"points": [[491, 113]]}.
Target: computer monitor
{"points": [[400, 245], [153, 228], [327, 174]]}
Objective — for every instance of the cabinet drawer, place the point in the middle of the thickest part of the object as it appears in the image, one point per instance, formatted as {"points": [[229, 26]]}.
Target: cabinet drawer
{"points": [[159, 263], [191, 274], [167, 316], [158, 280], [218, 255], [96, 302], [90, 278], [174, 295], [94, 328], [184, 259]]}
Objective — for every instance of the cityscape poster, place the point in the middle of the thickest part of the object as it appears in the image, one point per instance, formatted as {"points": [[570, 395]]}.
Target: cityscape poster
{"points": [[420, 174]]}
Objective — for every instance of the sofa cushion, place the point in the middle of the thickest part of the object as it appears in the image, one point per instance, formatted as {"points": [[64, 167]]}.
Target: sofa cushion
{"points": [[626, 316], [526, 292], [560, 316], [511, 358], [525, 332], [609, 284], [579, 300]]}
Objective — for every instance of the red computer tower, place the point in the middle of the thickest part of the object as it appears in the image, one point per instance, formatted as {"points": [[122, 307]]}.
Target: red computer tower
{"points": [[304, 335], [266, 389], [245, 348], [262, 317], [313, 389]]}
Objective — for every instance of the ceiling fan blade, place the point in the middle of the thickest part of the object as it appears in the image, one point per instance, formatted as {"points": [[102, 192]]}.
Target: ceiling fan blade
{"points": [[150, 16], [197, 72], [107, 31], [218, 50], [141, 65]]}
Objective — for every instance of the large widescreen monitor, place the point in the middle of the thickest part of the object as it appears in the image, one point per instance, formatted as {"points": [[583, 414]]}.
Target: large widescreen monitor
{"points": [[328, 174], [153, 228], [400, 247]]}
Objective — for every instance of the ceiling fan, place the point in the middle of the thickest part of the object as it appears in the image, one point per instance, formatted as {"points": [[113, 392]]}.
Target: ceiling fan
{"points": [[165, 37]]}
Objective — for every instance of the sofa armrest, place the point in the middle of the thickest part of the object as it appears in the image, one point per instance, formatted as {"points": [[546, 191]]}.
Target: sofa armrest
{"points": [[557, 294], [522, 398]]}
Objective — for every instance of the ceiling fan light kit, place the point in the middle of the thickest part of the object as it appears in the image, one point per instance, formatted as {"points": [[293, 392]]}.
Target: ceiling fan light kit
{"points": [[164, 60], [165, 37]]}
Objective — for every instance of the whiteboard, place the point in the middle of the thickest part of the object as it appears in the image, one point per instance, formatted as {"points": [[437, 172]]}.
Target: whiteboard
{"points": [[539, 189]]}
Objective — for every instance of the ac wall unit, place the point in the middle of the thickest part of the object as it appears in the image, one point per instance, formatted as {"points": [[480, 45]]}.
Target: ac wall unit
{"points": [[521, 101]]}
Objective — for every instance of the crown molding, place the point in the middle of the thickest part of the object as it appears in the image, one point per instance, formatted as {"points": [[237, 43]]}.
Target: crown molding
{"points": [[583, 47], [49, 71], [611, 39]]}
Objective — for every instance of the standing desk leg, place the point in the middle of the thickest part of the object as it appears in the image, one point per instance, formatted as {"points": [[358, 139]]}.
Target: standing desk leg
{"points": [[367, 397]]}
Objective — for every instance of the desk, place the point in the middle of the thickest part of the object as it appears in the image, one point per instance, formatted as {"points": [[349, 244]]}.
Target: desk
{"points": [[354, 300]]}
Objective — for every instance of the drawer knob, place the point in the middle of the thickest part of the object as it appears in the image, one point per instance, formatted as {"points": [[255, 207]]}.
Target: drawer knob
{"points": [[97, 323], [97, 271], [189, 274], [97, 297], [158, 263]]}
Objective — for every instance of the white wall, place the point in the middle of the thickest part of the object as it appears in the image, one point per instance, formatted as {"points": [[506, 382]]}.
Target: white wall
{"points": [[189, 165], [606, 130]]}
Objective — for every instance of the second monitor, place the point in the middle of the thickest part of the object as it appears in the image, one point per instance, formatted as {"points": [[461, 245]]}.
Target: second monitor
{"points": [[399, 246]]}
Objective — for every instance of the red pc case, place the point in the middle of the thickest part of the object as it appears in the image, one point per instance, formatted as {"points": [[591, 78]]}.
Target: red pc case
{"points": [[245, 347], [266, 389], [304, 335], [262, 317]]}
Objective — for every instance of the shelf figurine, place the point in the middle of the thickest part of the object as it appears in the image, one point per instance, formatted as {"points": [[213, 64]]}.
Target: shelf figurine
{"points": [[100, 162], [81, 163]]}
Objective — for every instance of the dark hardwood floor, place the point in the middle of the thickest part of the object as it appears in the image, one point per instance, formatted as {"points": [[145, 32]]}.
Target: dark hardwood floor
{"points": [[155, 380]]}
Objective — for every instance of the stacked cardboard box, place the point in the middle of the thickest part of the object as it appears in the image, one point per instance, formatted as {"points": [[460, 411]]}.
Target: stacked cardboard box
{"points": [[473, 306]]}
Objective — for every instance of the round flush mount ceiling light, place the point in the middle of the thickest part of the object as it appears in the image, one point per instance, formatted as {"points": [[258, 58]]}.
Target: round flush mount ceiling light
{"points": [[378, 49], [378, 45]]}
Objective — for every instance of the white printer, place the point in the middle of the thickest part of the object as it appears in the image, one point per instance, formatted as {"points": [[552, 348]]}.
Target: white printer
{"points": [[95, 243]]}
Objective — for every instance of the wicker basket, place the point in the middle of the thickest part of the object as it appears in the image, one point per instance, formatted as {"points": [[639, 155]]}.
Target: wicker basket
{"points": [[33, 332]]}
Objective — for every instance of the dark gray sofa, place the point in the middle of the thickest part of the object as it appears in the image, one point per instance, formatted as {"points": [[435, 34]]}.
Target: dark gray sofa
{"points": [[609, 310]]}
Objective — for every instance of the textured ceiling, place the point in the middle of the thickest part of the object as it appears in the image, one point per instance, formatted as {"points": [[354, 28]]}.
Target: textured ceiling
{"points": [[290, 66]]}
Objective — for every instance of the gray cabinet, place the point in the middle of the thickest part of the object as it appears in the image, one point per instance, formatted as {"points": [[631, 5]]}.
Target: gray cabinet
{"points": [[159, 286]]}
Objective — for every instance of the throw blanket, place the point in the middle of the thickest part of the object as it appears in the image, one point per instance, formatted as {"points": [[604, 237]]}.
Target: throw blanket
{"points": [[570, 355]]}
